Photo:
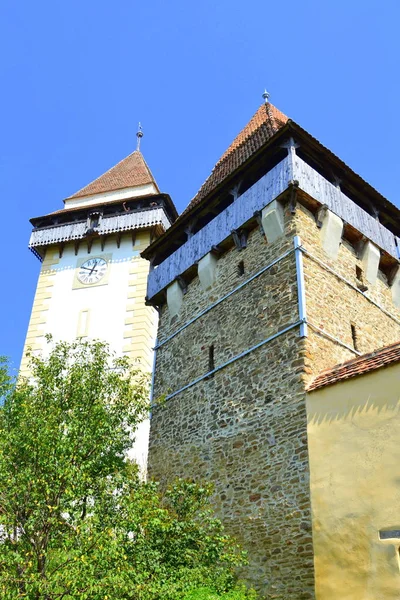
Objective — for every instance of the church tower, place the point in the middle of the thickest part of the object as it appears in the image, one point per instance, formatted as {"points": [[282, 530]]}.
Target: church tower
{"points": [[93, 281], [284, 264]]}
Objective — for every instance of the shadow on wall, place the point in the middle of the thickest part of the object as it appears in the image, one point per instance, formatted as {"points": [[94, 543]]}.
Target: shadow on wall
{"points": [[361, 404]]}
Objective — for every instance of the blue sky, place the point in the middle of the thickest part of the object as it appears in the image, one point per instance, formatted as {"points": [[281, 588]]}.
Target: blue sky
{"points": [[77, 76]]}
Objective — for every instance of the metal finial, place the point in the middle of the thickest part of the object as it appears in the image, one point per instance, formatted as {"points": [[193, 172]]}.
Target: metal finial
{"points": [[265, 96], [139, 136]]}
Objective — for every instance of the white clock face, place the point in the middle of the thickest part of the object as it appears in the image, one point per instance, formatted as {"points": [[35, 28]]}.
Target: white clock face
{"points": [[92, 270]]}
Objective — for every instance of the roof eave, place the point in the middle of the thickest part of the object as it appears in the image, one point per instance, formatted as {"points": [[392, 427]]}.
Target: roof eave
{"points": [[78, 196], [333, 158], [172, 213], [389, 356], [310, 143]]}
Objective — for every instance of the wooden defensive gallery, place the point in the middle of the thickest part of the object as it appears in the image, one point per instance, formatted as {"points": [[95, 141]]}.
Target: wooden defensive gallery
{"points": [[273, 307]]}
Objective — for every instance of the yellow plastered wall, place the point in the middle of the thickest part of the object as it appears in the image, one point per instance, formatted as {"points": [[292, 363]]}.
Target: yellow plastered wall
{"points": [[140, 320], [38, 319], [353, 437]]}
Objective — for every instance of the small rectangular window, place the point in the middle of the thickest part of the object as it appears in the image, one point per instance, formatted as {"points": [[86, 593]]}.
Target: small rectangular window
{"points": [[83, 324], [354, 336], [211, 363], [359, 274], [240, 268]]}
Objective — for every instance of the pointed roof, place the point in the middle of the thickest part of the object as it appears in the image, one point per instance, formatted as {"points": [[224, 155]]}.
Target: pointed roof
{"points": [[261, 127], [130, 172], [258, 141]]}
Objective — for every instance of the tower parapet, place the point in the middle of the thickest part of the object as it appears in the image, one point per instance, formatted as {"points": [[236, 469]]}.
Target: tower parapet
{"points": [[334, 212]]}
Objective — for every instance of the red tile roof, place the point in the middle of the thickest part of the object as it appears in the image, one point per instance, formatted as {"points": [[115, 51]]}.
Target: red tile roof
{"points": [[261, 127], [130, 172], [358, 366]]}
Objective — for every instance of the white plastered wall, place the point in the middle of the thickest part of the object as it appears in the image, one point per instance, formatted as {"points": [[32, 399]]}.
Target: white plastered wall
{"points": [[106, 303], [104, 312]]}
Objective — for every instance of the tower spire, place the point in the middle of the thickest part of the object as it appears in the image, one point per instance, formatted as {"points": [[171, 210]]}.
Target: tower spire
{"points": [[139, 136], [265, 96]]}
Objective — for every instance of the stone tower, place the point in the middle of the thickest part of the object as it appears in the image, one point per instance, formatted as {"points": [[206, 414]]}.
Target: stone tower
{"points": [[285, 263], [93, 281]]}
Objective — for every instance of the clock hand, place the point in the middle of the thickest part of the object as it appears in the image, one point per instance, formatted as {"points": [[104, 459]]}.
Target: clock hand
{"points": [[93, 268]]}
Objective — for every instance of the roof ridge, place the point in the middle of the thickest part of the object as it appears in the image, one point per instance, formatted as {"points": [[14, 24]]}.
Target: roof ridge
{"points": [[225, 157], [271, 117], [105, 173], [241, 133], [148, 169], [265, 122], [226, 154]]}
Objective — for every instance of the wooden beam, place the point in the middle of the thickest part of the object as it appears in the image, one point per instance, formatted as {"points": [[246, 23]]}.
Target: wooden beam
{"points": [[293, 186], [240, 238], [182, 283], [258, 218]]}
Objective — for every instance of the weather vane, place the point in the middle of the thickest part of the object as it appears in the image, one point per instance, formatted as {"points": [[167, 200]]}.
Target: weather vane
{"points": [[139, 136]]}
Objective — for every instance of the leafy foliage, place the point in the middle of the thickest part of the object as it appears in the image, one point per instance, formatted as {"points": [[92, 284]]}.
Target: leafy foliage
{"points": [[76, 521], [209, 594]]}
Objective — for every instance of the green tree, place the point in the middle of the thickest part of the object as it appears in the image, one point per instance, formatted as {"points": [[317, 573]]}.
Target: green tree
{"points": [[76, 520], [209, 594]]}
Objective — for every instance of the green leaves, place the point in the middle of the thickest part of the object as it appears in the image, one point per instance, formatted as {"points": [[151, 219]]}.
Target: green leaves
{"points": [[76, 522], [209, 594]]}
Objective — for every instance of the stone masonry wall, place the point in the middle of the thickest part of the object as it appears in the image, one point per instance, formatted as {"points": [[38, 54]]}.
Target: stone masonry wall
{"points": [[245, 427], [334, 306]]}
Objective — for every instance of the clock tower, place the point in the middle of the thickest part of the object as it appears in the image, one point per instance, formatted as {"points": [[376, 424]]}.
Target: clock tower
{"points": [[92, 283]]}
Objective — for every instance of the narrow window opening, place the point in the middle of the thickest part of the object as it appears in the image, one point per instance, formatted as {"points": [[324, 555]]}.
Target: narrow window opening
{"points": [[240, 268], [354, 336], [211, 362], [83, 324], [359, 274]]}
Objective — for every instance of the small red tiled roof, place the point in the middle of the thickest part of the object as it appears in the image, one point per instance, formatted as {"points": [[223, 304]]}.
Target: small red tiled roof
{"points": [[358, 366], [261, 127], [130, 172]]}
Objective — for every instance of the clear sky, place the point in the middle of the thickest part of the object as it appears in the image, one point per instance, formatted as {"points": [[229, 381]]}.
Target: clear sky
{"points": [[77, 76]]}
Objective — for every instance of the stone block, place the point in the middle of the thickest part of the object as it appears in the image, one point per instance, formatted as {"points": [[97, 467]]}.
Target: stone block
{"points": [[331, 233], [371, 257], [272, 220], [207, 270], [174, 298], [396, 289]]}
